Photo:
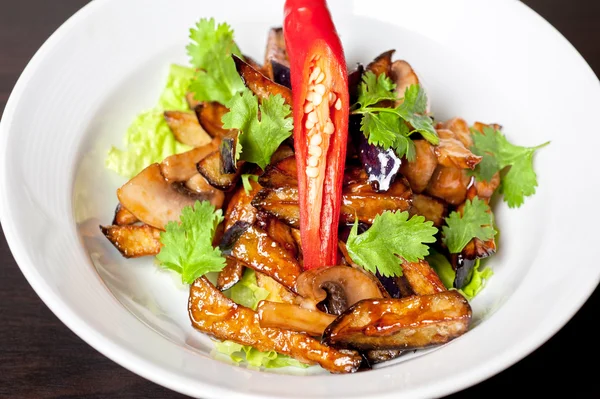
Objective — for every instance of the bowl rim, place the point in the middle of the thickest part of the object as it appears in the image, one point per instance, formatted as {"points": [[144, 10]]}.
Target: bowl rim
{"points": [[123, 356]]}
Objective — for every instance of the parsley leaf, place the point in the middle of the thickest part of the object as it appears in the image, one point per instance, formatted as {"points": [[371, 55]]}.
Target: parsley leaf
{"points": [[498, 153], [391, 127], [476, 221], [187, 246], [258, 139], [216, 77], [391, 238]]}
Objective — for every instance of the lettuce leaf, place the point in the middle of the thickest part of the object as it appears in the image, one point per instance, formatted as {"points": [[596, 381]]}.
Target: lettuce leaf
{"points": [[247, 292], [149, 139]]}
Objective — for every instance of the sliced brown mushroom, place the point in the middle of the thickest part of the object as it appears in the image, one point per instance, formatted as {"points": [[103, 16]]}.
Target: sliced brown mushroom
{"points": [[422, 279], [212, 313], [413, 322], [133, 241], [198, 185], [181, 167], [451, 152], [449, 184], [341, 286], [152, 199], [403, 76], [381, 64], [293, 317], [460, 128], [419, 172], [186, 128]]}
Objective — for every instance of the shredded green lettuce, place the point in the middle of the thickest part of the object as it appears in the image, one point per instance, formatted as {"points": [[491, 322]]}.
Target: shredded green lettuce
{"points": [[149, 139], [247, 293], [443, 268]]}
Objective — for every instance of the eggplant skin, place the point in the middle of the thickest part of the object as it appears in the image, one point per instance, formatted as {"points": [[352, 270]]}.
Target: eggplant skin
{"points": [[414, 322], [133, 241]]}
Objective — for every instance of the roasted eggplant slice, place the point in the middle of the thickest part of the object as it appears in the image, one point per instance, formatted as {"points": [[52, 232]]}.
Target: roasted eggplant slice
{"points": [[228, 152], [212, 313], [381, 165], [281, 74], [240, 206], [403, 76], [182, 167], [293, 317], [151, 199], [419, 172], [133, 241], [423, 280], [123, 217], [280, 174], [433, 209], [413, 322], [281, 203], [279, 231], [275, 51], [198, 187], [186, 128], [259, 84], [262, 253], [211, 167], [354, 79], [231, 273], [209, 115], [383, 355], [231, 235]]}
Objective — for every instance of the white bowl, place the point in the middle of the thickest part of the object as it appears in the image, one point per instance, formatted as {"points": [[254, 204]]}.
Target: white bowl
{"points": [[493, 61]]}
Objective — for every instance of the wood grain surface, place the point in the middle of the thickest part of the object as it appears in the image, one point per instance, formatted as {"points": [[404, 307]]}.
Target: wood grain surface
{"points": [[41, 358]]}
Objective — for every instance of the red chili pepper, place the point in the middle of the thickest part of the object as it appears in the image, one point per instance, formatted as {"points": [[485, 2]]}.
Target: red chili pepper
{"points": [[319, 79]]}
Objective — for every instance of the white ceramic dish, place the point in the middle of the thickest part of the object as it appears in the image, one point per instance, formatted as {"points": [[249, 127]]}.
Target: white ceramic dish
{"points": [[108, 62]]}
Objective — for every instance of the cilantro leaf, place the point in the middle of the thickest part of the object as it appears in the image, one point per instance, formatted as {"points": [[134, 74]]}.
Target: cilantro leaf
{"points": [[187, 246], [389, 127], [498, 153], [476, 221], [210, 50], [374, 89], [391, 238], [258, 139], [246, 181]]}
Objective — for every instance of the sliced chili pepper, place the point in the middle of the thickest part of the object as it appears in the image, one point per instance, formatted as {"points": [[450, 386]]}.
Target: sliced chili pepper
{"points": [[319, 80]]}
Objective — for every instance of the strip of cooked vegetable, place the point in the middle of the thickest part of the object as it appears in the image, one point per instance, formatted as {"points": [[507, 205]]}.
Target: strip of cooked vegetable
{"points": [[361, 237]]}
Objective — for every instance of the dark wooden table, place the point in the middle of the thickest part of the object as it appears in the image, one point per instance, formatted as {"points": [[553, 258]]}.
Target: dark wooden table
{"points": [[41, 358]]}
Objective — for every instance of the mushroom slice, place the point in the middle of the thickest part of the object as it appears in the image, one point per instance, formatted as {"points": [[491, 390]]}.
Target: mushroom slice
{"points": [[293, 317], [275, 51], [259, 84], [403, 76], [342, 286], [262, 253], [152, 200], [460, 128], [186, 128], [451, 152], [181, 167], [133, 241], [209, 115], [212, 313], [419, 172], [231, 273], [432, 209], [123, 217], [449, 184], [198, 185], [413, 322], [423, 280]]}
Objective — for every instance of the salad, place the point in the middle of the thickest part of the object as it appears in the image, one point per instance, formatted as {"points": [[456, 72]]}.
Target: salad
{"points": [[320, 214]]}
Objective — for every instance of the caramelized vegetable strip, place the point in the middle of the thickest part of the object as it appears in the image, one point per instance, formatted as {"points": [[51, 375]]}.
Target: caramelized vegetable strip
{"points": [[209, 115], [186, 128], [211, 167], [259, 84], [407, 323], [280, 174], [123, 217], [278, 231], [293, 317], [432, 209], [449, 184], [275, 51], [460, 128], [240, 206], [231, 273], [133, 241], [262, 253], [403, 76], [381, 64], [214, 314]]}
